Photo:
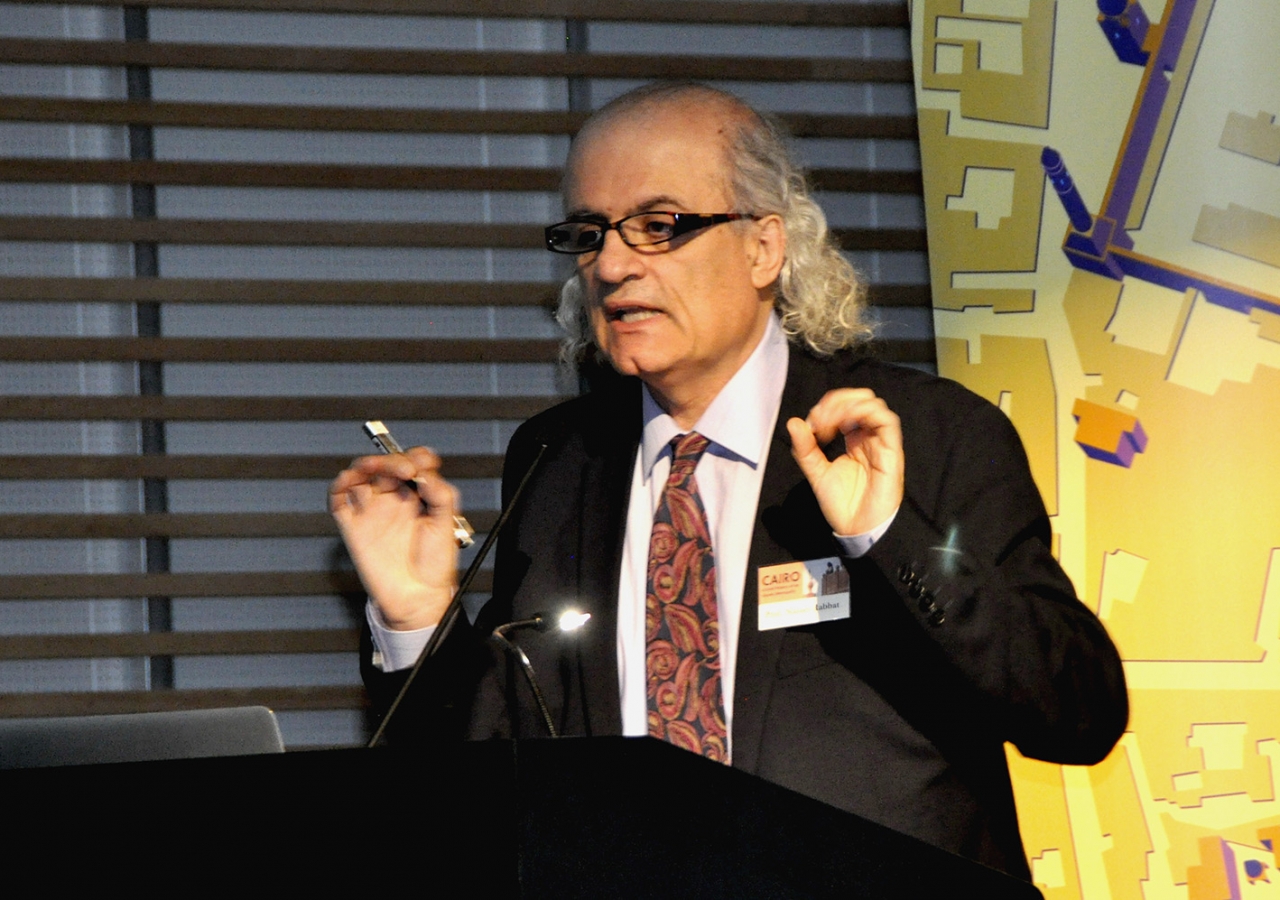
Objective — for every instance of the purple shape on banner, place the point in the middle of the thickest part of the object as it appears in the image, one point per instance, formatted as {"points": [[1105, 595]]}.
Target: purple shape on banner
{"points": [[1142, 127], [1104, 247], [1060, 178], [1176, 278], [1130, 444], [1092, 251], [1125, 24]]}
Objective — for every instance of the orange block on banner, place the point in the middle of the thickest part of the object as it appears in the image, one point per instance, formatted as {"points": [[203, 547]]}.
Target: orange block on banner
{"points": [[1108, 434]]}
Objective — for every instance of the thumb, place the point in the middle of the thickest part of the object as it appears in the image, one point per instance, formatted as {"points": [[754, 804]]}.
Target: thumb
{"points": [[804, 447]]}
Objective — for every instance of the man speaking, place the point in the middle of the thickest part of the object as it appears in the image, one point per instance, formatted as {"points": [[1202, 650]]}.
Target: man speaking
{"points": [[750, 444]]}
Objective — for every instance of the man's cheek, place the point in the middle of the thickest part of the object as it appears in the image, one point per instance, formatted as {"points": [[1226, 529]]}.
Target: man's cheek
{"points": [[599, 327]]}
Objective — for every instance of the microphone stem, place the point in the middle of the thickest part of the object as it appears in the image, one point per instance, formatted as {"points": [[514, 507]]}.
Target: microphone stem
{"points": [[450, 617], [527, 667]]}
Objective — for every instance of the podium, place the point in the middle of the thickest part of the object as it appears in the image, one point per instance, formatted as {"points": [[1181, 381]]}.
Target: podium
{"points": [[568, 818]]}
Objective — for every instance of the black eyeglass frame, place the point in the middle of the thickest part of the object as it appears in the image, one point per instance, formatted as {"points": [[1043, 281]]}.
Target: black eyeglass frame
{"points": [[682, 224]]}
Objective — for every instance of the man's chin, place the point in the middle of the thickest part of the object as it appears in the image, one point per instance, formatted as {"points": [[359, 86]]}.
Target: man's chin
{"points": [[647, 357], [622, 365], [622, 362]]}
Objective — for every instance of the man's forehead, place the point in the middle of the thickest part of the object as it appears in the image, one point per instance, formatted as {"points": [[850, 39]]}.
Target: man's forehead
{"points": [[677, 133], [699, 119]]}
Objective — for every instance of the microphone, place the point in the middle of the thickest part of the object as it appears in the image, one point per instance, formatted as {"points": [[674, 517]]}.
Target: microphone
{"points": [[450, 617], [569, 621]]}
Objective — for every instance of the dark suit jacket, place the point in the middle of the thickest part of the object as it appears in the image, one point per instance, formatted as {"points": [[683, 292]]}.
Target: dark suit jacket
{"points": [[964, 633]]}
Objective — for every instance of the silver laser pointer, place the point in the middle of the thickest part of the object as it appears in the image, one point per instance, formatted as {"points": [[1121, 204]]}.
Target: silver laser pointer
{"points": [[382, 439]]}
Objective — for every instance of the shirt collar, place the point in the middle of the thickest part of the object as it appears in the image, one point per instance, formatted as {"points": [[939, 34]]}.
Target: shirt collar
{"points": [[739, 421]]}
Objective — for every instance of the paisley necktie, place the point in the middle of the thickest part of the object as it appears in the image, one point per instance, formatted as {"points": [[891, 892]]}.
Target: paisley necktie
{"points": [[682, 620]]}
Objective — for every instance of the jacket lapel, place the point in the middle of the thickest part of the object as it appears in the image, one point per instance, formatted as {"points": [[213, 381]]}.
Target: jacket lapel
{"points": [[605, 493], [789, 526]]}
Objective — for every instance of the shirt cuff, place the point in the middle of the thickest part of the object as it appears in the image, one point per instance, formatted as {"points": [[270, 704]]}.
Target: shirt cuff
{"points": [[394, 650], [856, 545]]}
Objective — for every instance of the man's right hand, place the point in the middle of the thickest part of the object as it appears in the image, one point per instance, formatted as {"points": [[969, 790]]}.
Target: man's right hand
{"points": [[406, 555]]}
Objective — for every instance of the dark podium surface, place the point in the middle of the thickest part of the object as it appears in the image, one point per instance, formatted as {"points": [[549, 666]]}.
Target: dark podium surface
{"points": [[605, 817]]}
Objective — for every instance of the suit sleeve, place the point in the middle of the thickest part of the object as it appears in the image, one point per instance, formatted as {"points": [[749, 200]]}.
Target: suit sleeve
{"points": [[968, 559]]}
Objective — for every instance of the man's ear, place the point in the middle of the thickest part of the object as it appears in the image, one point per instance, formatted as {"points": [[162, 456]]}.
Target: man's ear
{"points": [[770, 251]]}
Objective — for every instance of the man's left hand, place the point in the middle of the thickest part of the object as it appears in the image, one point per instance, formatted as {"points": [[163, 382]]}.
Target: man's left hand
{"points": [[861, 488]]}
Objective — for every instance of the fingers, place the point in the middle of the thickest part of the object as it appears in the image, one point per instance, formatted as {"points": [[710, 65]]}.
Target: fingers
{"points": [[405, 466], [441, 497], [863, 486], [851, 411], [804, 447], [416, 470]]}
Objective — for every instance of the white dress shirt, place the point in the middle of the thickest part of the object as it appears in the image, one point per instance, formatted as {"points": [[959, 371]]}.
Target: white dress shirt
{"points": [[739, 424]]}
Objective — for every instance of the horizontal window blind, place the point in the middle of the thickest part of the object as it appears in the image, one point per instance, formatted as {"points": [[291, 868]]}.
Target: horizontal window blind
{"points": [[232, 231]]}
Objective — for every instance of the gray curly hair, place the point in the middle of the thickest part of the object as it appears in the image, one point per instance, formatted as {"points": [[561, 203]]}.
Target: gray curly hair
{"points": [[818, 296]]}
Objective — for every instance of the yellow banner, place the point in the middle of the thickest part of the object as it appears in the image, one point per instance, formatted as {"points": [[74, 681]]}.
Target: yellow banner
{"points": [[1102, 191]]}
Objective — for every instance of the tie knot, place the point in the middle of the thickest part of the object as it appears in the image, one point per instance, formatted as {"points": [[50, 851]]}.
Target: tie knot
{"points": [[689, 446]]}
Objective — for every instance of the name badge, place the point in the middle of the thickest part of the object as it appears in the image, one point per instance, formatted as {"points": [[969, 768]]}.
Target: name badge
{"points": [[802, 593]]}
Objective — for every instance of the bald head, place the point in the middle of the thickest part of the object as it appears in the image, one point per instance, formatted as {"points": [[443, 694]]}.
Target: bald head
{"points": [[682, 105]]}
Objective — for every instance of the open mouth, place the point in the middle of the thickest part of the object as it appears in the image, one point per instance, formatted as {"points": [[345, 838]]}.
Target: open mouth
{"points": [[629, 314]]}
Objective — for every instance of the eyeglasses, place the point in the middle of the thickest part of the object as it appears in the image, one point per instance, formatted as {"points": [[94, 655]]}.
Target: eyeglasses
{"points": [[641, 230]]}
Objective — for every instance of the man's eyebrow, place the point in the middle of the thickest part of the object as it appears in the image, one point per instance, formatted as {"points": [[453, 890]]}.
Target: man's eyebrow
{"points": [[661, 202]]}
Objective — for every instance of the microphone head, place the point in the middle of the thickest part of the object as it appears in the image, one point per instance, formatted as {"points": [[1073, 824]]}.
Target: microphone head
{"points": [[571, 620]]}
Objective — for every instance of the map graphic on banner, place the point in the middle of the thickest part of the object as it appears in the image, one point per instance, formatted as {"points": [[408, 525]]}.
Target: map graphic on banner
{"points": [[1102, 191]]}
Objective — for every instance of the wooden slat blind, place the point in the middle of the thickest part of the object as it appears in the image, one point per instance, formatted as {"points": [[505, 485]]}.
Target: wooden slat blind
{"points": [[267, 409], [135, 525], [426, 62], [242, 466], [92, 703], [267, 292], [831, 15], [338, 118], [376, 178], [162, 349], [342, 234], [200, 584], [235, 514]]}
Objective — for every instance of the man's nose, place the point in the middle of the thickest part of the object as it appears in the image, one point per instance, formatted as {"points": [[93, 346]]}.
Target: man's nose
{"points": [[616, 261]]}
